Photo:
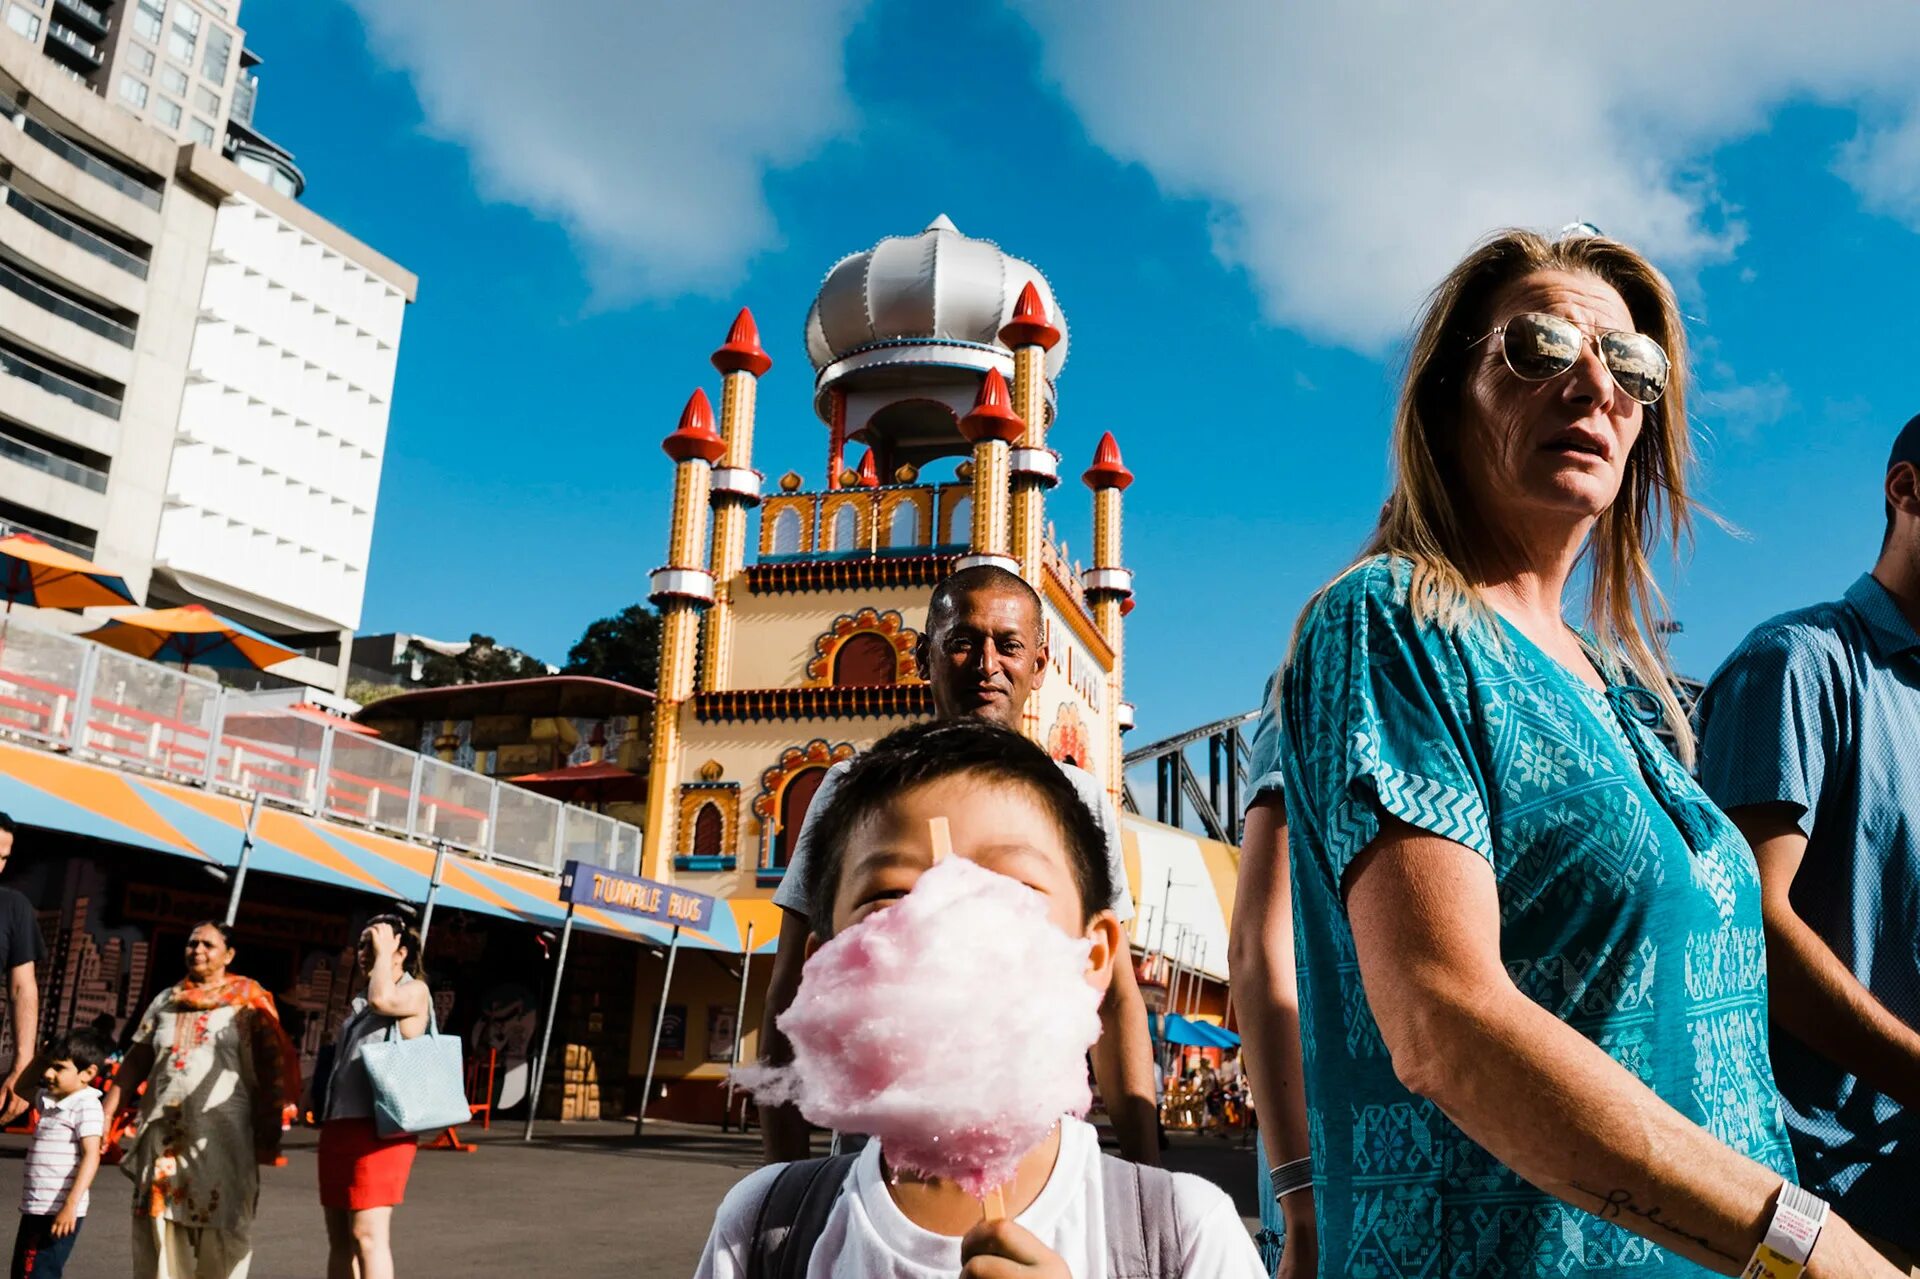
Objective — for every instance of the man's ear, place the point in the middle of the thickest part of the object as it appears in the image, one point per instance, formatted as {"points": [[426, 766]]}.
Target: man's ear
{"points": [[814, 942], [923, 655], [1042, 659], [1109, 940]]}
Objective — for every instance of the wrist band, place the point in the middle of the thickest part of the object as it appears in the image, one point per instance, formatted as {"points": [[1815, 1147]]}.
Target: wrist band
{"points": [[1795, 1228], [1291, 1176]]}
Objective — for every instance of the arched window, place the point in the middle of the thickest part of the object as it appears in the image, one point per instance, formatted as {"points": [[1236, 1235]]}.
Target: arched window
{"points": [[904, 529], [786, 532], [794, 802], [707, 828], [864, 659], [960, 522], [846, 528]]}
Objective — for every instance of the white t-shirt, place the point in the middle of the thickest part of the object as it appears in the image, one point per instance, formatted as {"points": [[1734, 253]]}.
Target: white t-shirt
{"points": [[53, 1154], [792, 893], [867, 1235]]}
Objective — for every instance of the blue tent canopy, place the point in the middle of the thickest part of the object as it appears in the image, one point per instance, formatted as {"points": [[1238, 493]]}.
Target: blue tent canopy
{"points": [[1172, 1028]]}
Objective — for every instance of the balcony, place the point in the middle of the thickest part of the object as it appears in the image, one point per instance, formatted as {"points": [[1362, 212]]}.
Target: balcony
{"points": [[93, 19], [76, 47], [69, 694], [46, 379], [61, 468], [9, 527], [80, 158], [47, 300], [72, 232]]}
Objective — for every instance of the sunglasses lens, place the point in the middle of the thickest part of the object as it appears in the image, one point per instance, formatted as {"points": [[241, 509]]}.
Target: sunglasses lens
{"points": [[1538, 347], [1637, 363]]}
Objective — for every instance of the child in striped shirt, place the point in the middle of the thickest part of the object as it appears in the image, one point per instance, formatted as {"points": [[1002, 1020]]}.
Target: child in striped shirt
{"points": [[63, 1156]]}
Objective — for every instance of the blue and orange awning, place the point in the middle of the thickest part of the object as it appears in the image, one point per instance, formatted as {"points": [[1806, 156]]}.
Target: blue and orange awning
{"points": [[59, 793]]}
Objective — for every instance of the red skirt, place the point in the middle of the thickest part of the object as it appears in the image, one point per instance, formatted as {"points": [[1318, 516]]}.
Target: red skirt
{"points": [[361, 1169]]}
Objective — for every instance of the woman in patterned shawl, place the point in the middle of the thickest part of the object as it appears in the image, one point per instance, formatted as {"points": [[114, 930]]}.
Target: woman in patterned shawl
{"points": [[220, 1073], [1533, 981]]}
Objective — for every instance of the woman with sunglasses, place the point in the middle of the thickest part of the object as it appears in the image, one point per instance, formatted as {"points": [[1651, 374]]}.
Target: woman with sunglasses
{"points": [[1533, 981]]}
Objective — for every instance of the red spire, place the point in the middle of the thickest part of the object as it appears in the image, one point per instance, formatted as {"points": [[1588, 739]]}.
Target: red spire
{"points": [[993, 417], [1126, 606], [1107, 471], [1029, 326], [742, 353], [868, 473], [695, 436]]}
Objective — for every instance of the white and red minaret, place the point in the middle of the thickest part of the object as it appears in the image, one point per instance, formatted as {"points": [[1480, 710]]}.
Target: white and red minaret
{"points": [[1109, 585], [1035, 468], [736, 490], [991, 427]]}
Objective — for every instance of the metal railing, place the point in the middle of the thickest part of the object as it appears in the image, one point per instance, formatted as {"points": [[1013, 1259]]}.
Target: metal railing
{"points": [[81, 158], [1177, 789], [67, 309], [70, 694], [10, 527], [72, 232], [81, 9], [52, 464], [74, 40], [65, 387]]}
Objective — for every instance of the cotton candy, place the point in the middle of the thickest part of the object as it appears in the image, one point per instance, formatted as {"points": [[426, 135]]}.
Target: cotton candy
{"points": [[953, 1026]]}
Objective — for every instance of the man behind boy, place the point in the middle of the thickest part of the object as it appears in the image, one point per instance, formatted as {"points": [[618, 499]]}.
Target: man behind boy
{"points": [[20, 949], [62, 1156], [983, 652]]}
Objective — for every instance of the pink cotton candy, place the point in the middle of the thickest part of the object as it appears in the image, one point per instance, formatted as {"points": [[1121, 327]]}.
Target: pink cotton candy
{"points": [[953, 1026]]}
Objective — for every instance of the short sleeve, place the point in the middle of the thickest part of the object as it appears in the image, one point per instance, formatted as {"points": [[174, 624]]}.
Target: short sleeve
{"points": [[91, 1121], [1378, 720], [23, 943], [1769, 721], [1263, 750], [730, 1243], [791, 895]]}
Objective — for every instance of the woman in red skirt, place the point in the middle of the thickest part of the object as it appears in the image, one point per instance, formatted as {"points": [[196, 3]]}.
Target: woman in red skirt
{"points": [[363, 1175]]}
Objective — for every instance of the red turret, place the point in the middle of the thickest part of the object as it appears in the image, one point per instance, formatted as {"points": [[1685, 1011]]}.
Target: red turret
{"points": [[993, 417], [695, 436], [1107, 471], [1029, 326], [868, 473], [742, 353]]}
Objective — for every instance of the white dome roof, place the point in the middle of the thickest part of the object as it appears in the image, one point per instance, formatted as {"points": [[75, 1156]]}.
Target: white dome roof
{"points": [[934, 288]]}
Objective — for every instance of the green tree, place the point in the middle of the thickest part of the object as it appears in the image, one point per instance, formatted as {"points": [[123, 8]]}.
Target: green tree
{"points": [[484, 661], [624, 648]]}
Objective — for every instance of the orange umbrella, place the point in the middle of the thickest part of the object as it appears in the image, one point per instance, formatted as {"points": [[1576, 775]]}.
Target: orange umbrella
{"points": [[32, 572], [188, 634]]}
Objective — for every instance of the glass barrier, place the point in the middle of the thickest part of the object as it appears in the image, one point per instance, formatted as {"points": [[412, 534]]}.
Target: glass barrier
{"points": [[525, 827], [453, 805], [39, 682], [370, 781], [274, 753], [150, 716]]}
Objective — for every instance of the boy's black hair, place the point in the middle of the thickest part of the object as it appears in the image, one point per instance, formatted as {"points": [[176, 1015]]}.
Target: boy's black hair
{"points": [[82, 1046], [926, 753]]}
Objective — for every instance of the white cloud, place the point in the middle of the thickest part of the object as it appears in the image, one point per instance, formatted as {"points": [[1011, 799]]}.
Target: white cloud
{"points": [[1742, 410], [646, 129], [1351, 152]]}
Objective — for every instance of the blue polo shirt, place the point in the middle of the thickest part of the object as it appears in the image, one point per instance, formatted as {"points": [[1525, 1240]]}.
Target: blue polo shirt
{"points": [[1820, 708]]}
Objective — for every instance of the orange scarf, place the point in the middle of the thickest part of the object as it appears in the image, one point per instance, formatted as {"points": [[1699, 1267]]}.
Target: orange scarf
{"points": [[276, 1064]]}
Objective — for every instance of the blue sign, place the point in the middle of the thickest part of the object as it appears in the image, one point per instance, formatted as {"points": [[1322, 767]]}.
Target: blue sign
{"points": [[585, 885]]}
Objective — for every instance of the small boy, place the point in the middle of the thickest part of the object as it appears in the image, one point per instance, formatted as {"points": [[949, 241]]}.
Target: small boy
{"points": [[1073, 1213], [62, 1157]]}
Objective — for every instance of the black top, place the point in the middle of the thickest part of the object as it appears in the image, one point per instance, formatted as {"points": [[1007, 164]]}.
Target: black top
{"points": [[19, 932]]}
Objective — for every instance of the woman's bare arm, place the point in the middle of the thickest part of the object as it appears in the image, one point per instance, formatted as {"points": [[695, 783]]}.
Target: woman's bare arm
{"points": [[1532, 1090], [132, 1072]]}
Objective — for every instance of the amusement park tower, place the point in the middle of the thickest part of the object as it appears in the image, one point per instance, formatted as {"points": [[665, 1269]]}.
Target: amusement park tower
{"points": [[772, 671]]}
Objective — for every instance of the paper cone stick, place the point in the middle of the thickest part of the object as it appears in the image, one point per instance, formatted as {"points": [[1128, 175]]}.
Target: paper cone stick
{"points": [[993, 1204], [942, 838]]}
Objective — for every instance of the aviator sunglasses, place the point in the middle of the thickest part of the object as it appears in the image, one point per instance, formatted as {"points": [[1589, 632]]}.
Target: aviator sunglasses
{"points": [[1539, 347]]}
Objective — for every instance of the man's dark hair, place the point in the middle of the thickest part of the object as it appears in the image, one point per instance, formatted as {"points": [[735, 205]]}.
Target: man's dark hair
{"points": [[6, 823], [926, 753], [979, 579], [81, 1046]]}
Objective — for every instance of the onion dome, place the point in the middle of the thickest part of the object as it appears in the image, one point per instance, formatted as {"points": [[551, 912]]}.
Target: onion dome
{"points": [[1107, 471], [937, 299], [742, 353], [1029, 326], [993, 417], [695, 437]]}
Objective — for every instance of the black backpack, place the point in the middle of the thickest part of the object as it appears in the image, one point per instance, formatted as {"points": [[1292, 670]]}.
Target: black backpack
{"points": [[1143, 1229]]}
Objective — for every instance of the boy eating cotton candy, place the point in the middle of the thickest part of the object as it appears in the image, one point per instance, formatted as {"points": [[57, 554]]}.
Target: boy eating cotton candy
{"points": [[947, 1010]]}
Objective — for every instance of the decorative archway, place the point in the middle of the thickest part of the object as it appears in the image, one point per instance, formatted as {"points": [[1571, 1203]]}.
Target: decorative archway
{"points": [[1068, 740], [960, 521], [823, 668], [709, 828], [864, 660], [903, 524], [786, 531], [780, 807]]}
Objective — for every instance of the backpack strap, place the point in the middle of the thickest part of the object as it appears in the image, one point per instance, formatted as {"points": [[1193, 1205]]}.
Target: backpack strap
{"points": [[793, 1214], [1143, 1224]]}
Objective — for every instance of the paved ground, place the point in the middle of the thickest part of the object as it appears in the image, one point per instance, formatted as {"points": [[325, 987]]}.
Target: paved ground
{"points": [[585, 1202]]}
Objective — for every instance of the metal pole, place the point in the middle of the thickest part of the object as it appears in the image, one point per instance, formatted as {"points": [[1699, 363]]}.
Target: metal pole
{"points": [[546, 1031], [1166, 897], [433, 891], [659, 1020], [246, 855], [1173, 974], [739, 1025], [1197, 987]]}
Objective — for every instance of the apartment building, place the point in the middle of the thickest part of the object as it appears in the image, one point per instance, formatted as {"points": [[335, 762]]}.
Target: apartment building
{"points": [[195, 369]]}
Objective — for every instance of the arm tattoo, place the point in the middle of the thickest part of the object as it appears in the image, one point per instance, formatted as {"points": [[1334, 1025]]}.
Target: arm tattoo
{"points": [[1619, 1203]]}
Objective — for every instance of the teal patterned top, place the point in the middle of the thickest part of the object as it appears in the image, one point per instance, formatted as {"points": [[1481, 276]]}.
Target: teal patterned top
{"points": [[1629, 906]]}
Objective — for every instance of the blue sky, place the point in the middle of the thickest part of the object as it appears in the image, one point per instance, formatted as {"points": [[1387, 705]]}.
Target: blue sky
{"points": [[1238, 212]]}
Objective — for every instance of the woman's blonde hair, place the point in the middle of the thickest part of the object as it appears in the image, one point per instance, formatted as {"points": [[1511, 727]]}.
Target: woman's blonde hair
{"points": [[1427, 519]]}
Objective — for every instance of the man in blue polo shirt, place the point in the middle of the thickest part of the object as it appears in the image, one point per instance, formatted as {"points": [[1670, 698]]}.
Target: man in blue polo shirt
{"points": [[1810, 740]]}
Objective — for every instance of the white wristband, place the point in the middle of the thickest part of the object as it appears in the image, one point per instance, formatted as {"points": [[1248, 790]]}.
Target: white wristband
{"points": [[1797, 1220]]}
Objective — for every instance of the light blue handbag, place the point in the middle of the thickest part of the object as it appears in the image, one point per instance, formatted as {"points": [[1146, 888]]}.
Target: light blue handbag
{"points": [[419, 1084]]}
